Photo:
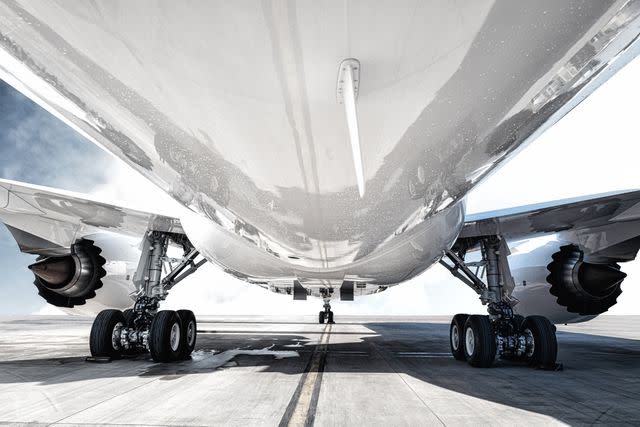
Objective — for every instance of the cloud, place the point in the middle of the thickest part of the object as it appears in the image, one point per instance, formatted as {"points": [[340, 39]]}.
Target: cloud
{"points": [[49, 310], [126, 187], [36, 147]]}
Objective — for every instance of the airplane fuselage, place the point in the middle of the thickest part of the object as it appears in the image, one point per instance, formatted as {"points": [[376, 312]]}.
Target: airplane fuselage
{"points": [[232, 110]]}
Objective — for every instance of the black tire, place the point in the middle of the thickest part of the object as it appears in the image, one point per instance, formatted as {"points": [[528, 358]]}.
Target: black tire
{"points": [[456, 333], [545, 345], [479, 341], [330, 317], [321, 317], [189, 333], [101, 342], [163, 346]]}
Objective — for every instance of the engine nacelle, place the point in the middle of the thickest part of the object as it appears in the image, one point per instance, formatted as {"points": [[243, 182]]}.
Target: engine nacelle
{"points": [[97, 273], [555, 280], [583, 287], [66, 281]]}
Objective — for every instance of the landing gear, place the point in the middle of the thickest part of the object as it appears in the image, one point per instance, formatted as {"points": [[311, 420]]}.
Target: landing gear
{"points": [[478, 339], [171, 336], [167, 335], [326, 314]]}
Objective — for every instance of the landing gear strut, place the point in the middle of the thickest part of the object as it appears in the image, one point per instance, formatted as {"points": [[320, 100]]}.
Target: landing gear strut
{"points": [[326, 314], [167, 335], [478, 339]]}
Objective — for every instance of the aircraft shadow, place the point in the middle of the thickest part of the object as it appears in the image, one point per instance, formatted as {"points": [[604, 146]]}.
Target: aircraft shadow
{"points": [[601, 375]]}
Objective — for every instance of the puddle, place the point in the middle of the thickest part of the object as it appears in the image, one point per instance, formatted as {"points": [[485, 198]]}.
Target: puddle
{"points": [[206, 361], [220, 359], [296, 345]]}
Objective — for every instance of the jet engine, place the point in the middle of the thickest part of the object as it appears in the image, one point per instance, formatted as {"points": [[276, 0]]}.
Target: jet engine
{"points": [[559, 280], [66, 281], [583, 287], [72, 280]]}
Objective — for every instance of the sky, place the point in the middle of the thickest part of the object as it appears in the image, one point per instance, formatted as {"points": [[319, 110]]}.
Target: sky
{"points": [[594, 149]]}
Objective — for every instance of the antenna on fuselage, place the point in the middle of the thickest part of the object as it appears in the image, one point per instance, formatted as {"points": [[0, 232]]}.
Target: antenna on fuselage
{"points": [[347, 94]]}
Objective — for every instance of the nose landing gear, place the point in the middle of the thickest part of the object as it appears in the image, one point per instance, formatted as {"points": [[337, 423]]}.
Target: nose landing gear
{"points": [[326, 314]]}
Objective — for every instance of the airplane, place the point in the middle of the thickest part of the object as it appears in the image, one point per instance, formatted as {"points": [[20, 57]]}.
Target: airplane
{"points": [[319, 149]]}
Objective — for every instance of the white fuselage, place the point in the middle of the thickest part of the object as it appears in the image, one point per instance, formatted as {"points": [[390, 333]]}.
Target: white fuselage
{"points": [[231, 108]]}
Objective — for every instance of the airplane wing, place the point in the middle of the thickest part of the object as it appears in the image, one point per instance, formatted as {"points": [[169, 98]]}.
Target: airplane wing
{"points": [[605, 226], [571, 273], [87, 248], [47, 221]]}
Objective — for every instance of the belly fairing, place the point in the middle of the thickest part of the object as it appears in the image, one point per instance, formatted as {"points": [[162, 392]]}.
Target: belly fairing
{"points": [[399, 258]]}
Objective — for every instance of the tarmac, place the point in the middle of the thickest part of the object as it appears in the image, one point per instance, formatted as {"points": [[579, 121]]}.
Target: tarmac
{"points": [[292, 371]]}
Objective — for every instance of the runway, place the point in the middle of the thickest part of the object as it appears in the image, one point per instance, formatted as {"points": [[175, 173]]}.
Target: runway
{"points": [[292, 371]]}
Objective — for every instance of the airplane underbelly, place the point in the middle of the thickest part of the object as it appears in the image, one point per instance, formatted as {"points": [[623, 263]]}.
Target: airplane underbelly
{"points": [[399, 259], [231, 107]]}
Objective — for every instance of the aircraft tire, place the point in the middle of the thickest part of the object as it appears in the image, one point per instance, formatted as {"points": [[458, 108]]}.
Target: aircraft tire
{"points": [[165, 336], [545, 345], [189, 333], [456, 336], [102, 342], [479, 341]]}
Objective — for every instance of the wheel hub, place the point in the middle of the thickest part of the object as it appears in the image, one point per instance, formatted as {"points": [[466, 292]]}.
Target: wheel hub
{"points": [[174, 338], [191, 333], [530, 342], [115, 336], [470, 341], [455, 337]]}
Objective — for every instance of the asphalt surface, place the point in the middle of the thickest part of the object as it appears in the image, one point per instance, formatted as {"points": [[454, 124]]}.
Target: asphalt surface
{"points": [[277, 371]]}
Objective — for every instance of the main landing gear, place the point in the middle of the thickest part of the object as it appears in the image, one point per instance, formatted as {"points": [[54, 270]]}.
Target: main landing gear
{"points": [[326, 314], [478, 339], [167, 335]]}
